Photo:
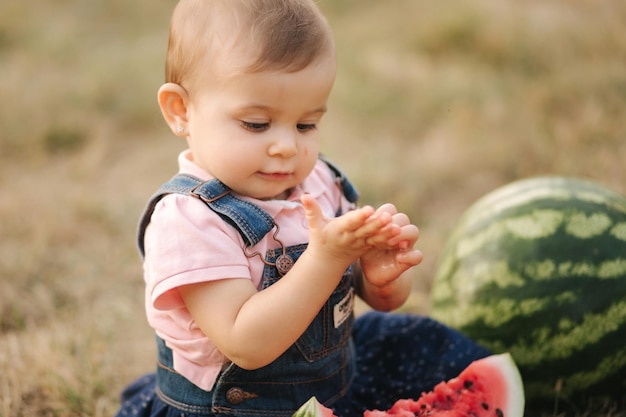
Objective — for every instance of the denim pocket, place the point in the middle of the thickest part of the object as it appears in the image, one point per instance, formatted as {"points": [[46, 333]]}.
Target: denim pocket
{"points": [[332, 327]]}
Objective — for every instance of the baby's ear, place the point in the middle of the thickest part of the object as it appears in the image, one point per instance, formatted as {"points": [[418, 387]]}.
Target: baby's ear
{"points": [[173, 103]]}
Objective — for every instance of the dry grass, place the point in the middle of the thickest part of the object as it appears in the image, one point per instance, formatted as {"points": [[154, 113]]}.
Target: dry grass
{"points": [[436, 104]]}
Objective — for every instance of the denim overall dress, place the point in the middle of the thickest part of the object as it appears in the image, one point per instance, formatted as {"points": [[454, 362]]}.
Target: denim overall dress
{"points": [[348, 365], [320, 363]]}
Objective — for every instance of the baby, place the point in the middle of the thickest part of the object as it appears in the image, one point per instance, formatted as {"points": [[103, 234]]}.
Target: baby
{"points": [[254, 252]]}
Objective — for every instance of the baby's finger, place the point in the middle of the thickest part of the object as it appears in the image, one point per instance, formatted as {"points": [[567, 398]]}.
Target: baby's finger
{"points": [[356, 219], [383, 235], [407, 237], [410, 257], [375, 225], [313, 212], [387, 208], [401, 219]]}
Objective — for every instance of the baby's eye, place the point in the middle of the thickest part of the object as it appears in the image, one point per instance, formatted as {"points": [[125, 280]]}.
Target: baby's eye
{"points": [[303, 127], [255, 127]]}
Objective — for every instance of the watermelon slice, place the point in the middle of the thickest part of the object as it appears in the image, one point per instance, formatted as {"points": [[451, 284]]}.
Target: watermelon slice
{"points": [[313, 408], [491, 386]]}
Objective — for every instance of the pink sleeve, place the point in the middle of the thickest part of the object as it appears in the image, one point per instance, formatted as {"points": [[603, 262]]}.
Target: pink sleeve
{"points": [[187, 243]]}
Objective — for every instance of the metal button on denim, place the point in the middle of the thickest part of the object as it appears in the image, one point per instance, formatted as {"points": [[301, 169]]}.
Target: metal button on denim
{"points": [[236, 395]]}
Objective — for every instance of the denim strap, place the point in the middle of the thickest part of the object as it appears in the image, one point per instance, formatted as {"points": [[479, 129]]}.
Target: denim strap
{"points": [[251, 221], [349, 192]]}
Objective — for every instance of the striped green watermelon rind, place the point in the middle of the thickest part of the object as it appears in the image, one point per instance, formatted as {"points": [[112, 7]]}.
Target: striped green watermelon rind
{"points": [[313, 408], [538, 268]]}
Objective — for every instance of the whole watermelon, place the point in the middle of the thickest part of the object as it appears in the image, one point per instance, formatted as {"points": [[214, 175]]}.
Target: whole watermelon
{"points": [[537, 268]]}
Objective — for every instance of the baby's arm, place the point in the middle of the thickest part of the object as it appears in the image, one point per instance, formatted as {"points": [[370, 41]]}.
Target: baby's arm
{"points": [[252, 328], [383, 283]]}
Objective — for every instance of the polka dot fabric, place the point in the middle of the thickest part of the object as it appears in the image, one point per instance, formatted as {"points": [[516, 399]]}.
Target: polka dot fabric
{"points": [[401, 356]]}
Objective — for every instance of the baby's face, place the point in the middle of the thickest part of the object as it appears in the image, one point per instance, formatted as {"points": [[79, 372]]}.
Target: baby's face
{"points": [[258, 132]]}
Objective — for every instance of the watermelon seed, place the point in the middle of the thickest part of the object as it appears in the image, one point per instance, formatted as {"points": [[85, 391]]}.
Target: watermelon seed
{"points": [[467, 384], [485, 406], [499, 412]]}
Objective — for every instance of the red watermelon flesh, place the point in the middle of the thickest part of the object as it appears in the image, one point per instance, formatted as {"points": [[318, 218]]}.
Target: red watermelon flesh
{"points": [[487, 387]]}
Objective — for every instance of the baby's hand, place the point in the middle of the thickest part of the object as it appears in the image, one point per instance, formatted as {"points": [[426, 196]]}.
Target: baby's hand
{"points": [[398, 234], [347, 237], [392, 251]]}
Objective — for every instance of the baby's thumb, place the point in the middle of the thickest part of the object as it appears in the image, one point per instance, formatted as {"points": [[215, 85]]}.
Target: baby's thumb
{"points": [[312, 210]]}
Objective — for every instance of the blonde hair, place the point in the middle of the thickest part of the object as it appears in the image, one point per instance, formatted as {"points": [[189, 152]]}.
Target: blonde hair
{"points": [[285, 35]]}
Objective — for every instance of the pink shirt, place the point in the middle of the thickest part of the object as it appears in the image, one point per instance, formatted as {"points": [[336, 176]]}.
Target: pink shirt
{"points": [[187, 243]]}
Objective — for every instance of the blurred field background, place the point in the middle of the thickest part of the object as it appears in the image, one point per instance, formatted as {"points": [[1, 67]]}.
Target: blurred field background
{"points": [[436, 104]]}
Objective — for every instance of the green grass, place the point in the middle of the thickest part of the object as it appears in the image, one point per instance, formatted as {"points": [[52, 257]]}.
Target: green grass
{"points": [[436, 103]]}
